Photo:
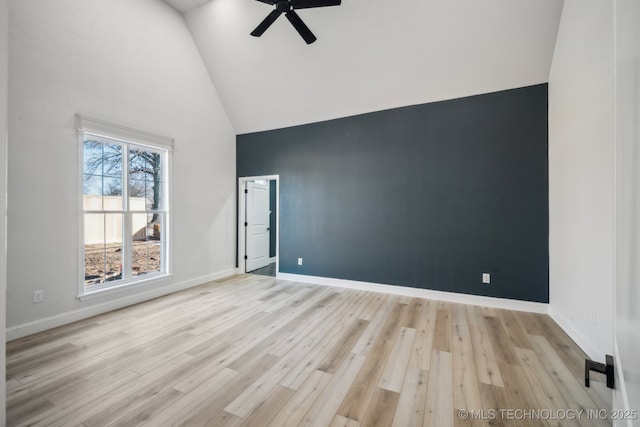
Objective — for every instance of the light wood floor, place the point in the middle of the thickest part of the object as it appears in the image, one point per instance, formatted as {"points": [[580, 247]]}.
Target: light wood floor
{"points": [[255, 351]]}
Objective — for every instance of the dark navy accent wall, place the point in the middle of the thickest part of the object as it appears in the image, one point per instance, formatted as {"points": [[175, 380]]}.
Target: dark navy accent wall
{"points": [[427, 196]]}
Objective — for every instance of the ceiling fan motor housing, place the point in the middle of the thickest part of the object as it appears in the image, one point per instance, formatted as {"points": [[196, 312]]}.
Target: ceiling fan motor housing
{"points": [[283, 6]]}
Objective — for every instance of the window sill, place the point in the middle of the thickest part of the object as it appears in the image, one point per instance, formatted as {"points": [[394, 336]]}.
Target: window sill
{"points": [[123, 287]]}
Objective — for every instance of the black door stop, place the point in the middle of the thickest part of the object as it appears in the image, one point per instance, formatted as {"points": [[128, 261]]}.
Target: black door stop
{"points": [[603, 368]]}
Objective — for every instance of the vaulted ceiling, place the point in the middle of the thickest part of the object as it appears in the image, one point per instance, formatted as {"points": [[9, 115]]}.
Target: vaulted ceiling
{"points": [[370, 55]]}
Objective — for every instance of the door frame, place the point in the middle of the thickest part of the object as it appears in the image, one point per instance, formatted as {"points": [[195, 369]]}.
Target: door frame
{"points": [[242, 203], [625, 164]]}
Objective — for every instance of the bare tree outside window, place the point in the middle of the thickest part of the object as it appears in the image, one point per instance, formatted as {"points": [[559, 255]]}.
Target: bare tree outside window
{"points": [[144, 170]]}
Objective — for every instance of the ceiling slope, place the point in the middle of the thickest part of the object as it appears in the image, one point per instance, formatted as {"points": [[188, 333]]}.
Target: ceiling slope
{"points": [[370, 55], [186, 5]]}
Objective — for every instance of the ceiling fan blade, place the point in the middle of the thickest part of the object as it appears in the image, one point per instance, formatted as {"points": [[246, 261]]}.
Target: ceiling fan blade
{"points": [[300, 26], [307, 4], [266, 23], [268, 1]]}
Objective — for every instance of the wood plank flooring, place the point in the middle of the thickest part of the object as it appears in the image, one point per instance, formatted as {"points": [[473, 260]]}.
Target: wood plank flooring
{"points": [[256, 351]]}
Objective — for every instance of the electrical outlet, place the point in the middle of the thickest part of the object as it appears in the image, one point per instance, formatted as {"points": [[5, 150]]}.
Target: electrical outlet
{"points": [[38, 296], [299, 261], [486, 278]]}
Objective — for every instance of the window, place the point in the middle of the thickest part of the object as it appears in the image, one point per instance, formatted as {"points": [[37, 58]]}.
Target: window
{"points": [[124, 206]]}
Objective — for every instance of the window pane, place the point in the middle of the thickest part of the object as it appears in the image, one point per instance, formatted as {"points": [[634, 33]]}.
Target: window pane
{"points": [[136, 195], [139, 227], [92, 185], [112, 160], [92, 157], [153, 195], [145, 176], [102, 158], [154, 254], [138, 168], [112, 194], [94, 237], [113, 261], [145, 165], [155, 227], [102, 166], [102, 231], [147, 227], [94, 266], [112, 186], [139, 262], [113, 230], [92, 189], [147, 258]]}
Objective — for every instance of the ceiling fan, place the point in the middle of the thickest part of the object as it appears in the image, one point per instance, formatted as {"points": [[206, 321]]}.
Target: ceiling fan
{"points": [[288, 8]]}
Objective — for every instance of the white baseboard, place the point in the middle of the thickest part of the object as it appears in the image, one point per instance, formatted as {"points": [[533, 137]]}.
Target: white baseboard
{"points": [[504, 303], [35, 326], [272, 260], [582, 342]]}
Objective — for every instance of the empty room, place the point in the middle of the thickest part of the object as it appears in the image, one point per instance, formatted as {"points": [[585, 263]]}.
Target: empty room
{"points": [[320, 212]]}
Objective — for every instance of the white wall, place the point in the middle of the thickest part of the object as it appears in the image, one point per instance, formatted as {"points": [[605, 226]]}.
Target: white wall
{"points": [[131, 62], [4, 36], [581, 175]]}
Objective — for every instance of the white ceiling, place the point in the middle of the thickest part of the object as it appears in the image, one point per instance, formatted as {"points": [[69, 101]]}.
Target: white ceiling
{"points": [[186, 5], [370, 55]]}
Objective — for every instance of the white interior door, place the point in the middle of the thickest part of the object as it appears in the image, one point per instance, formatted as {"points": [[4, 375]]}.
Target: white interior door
{"points": [[626, 332], [257, 226]]}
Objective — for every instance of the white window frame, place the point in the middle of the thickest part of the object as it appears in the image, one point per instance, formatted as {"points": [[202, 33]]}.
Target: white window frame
{"points": [[128, 137]]}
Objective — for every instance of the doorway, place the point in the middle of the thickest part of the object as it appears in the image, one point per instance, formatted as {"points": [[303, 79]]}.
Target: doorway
{"points": [[258, 225]]}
